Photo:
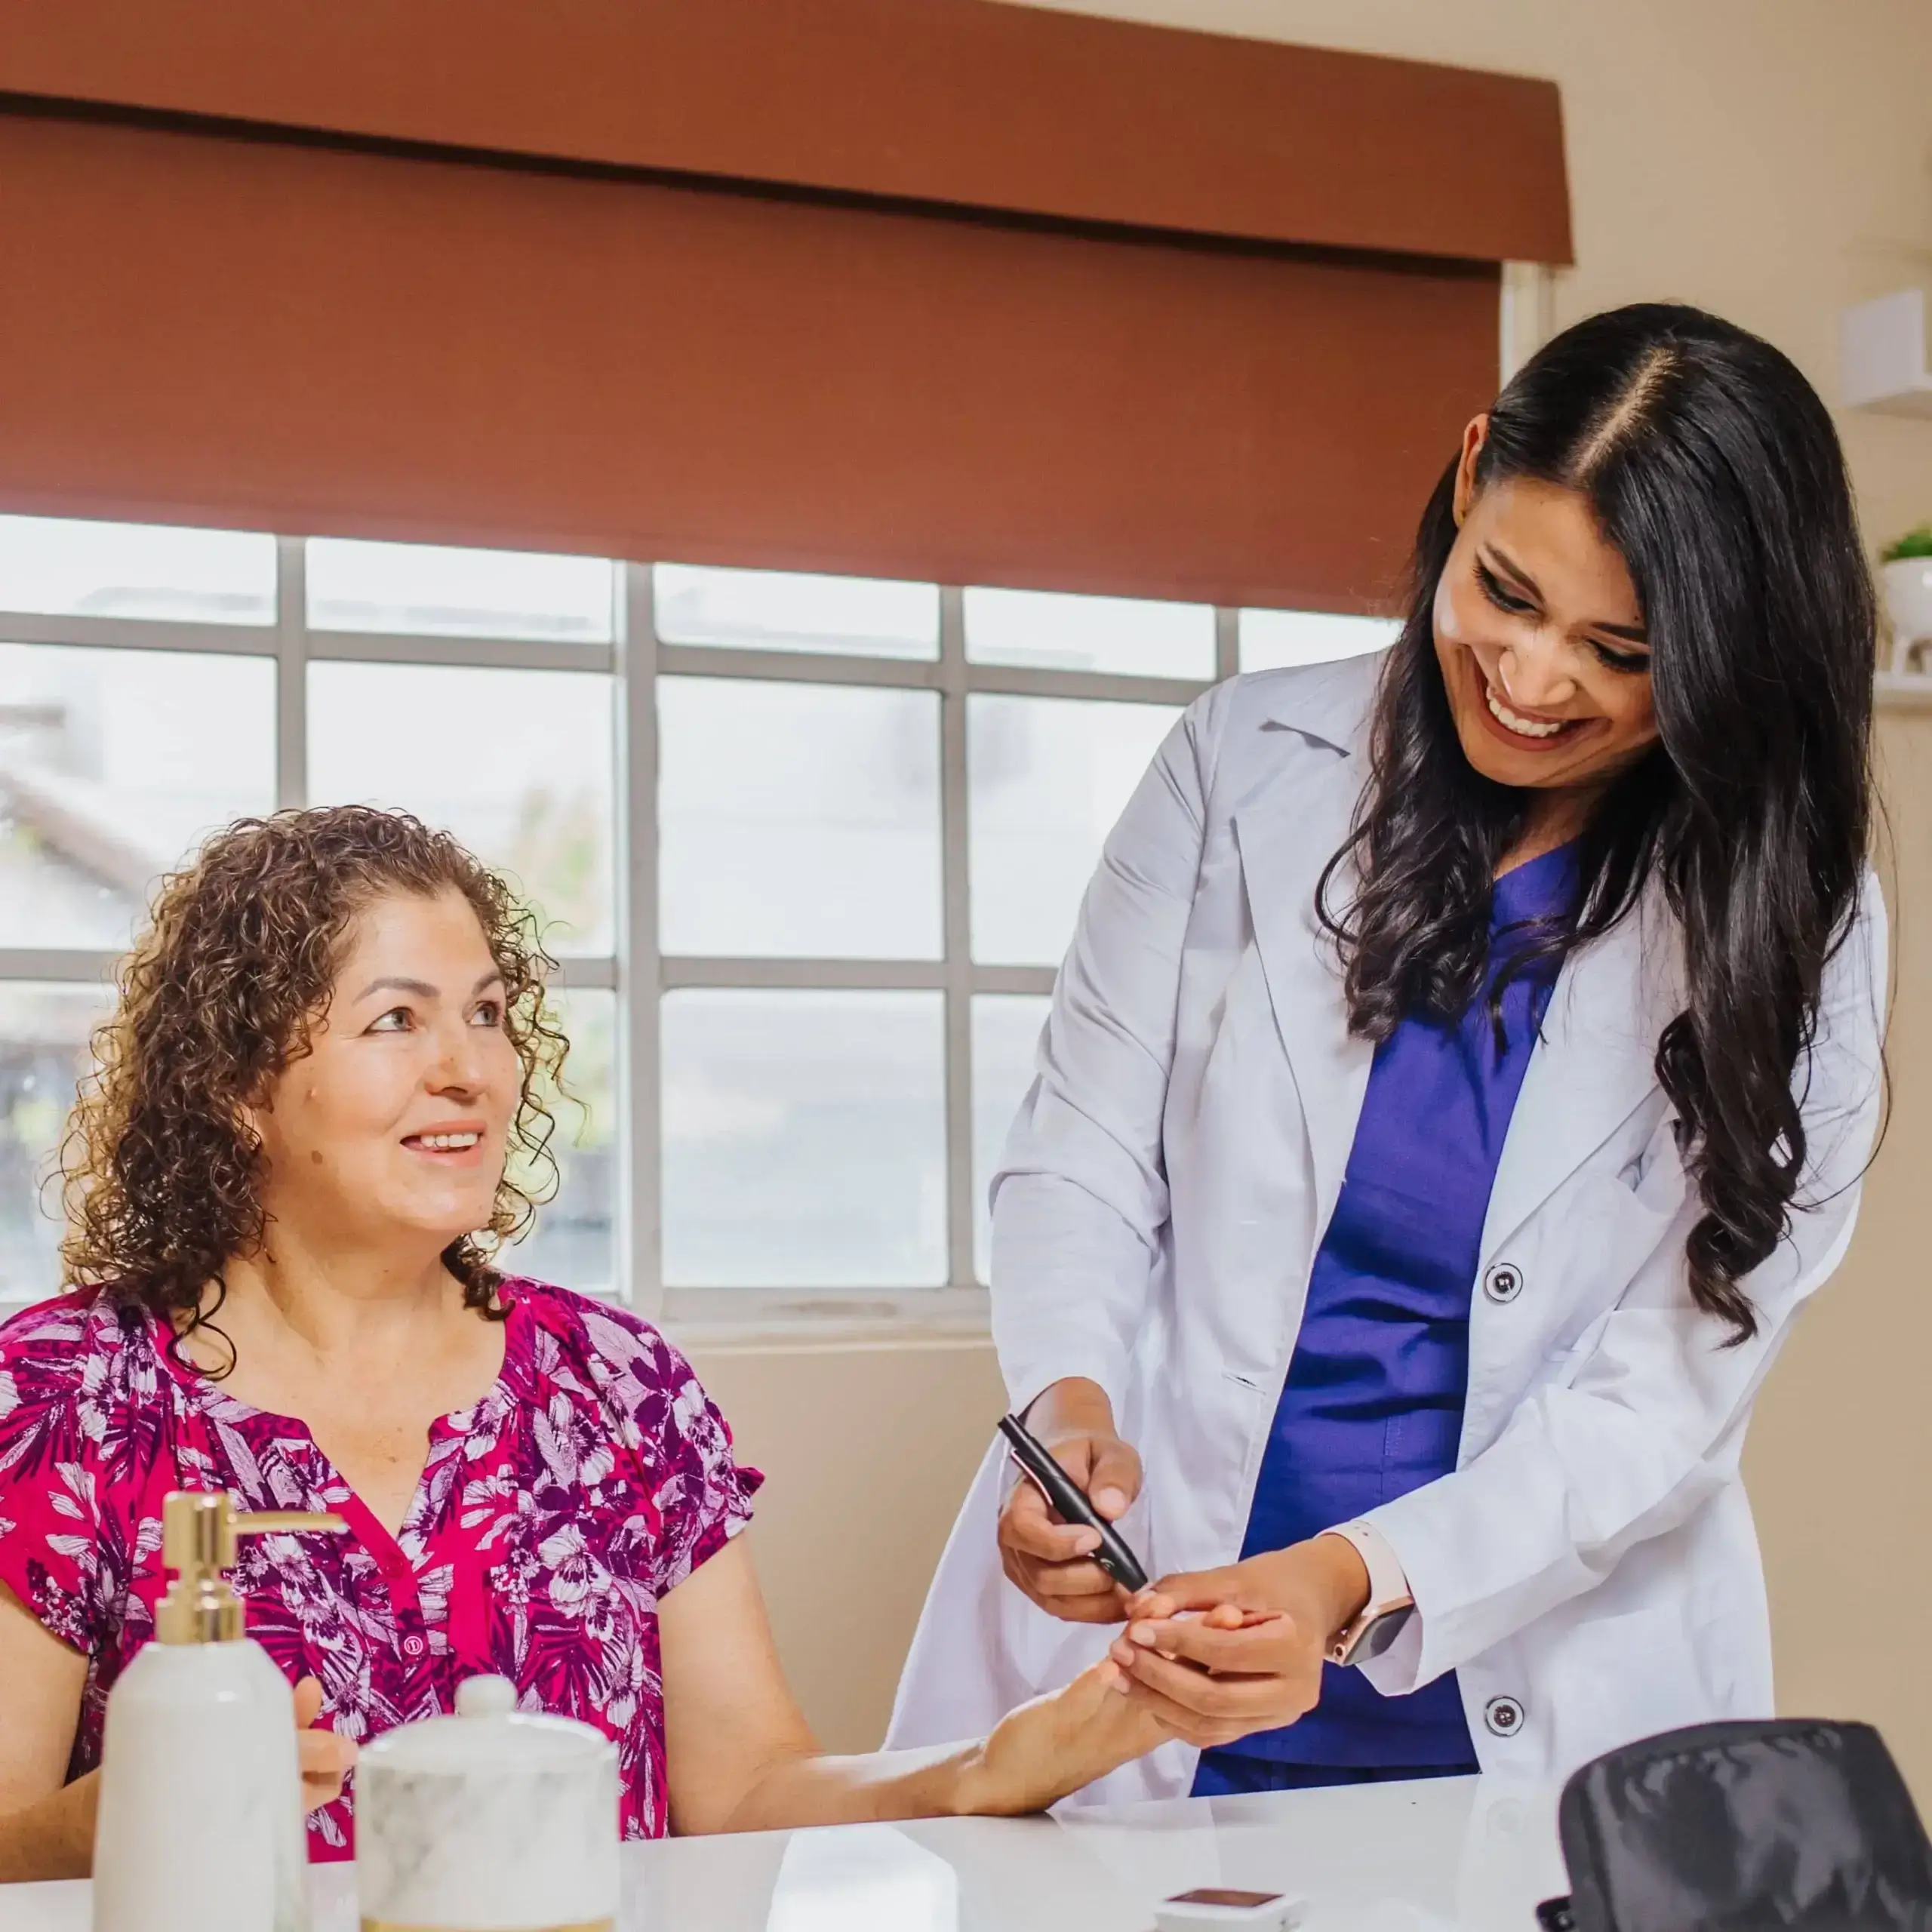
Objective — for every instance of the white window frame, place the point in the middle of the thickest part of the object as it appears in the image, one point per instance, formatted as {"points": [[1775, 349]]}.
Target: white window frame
{"points": [[639, 972]]}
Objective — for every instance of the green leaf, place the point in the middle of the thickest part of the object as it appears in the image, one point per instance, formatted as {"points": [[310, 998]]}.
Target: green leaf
{"points": [[1915, 542]]}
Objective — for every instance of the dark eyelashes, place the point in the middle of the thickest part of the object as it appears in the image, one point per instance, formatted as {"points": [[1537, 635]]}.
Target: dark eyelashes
{"points": [[1620, 660], [1492, 588], [491, 1012], [1516, 607]]}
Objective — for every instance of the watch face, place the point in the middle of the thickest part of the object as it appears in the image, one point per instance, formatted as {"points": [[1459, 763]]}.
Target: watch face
{"points": [[1382, 1633]]}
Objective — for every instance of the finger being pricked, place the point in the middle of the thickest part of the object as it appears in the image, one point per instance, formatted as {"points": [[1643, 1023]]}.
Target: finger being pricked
{"points": [[1227, 1642]]}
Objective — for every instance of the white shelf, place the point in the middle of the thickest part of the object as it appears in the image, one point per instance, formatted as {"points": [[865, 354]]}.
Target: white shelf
{"points": [[1882, 356]]}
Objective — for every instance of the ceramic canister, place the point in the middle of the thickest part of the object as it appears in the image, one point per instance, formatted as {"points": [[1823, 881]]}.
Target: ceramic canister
{"points": [[494, 1820]]}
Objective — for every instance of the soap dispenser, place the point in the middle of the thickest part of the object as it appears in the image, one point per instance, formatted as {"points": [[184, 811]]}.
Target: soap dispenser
{"points": [[200, 1827]]}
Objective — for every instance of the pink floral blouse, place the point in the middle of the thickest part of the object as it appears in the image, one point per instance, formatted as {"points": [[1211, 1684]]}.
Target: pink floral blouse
{"points": [[593, 1478]]}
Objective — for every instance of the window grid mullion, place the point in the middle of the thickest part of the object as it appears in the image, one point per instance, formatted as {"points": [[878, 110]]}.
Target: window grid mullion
{"points": [[291, 671], [1227, 643], [640, 976], [955, 859]]}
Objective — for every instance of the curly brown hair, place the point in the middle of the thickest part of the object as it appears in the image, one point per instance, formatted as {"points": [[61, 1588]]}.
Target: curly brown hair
{"points": [[161, 1173]]}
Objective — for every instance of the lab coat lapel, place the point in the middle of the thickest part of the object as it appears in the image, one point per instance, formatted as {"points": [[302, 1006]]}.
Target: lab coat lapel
{"points": [[1592, 1067], [1286, 834]]}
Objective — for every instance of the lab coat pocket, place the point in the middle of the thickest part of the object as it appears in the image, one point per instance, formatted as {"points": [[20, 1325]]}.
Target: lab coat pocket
{"points": [[1610, 1231]]}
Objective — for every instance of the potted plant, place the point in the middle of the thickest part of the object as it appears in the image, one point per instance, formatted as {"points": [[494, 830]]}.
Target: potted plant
{"points": [[1905, 567]]}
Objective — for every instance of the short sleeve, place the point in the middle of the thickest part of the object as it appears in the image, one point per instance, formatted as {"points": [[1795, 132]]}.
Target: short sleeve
{"points": [[54, 1554], [700, 1494]]}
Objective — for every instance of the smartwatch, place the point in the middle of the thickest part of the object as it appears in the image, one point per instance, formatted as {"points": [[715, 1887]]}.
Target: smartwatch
{"points": [[1390, 1605]]}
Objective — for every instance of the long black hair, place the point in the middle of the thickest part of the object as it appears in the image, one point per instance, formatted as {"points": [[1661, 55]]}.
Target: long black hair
{"points": [[1712, 468]]}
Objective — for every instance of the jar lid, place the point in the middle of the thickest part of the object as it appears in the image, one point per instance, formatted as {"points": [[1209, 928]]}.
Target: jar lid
{"points": [[489, 1735]]}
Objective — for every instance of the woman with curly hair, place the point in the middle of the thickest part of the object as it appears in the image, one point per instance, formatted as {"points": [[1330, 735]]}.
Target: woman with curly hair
{"points": [[287, 1183]]}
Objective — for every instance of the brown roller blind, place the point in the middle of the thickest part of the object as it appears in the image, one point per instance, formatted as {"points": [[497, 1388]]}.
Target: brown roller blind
{"points": [[277, 336], [1014, 108], [933, 288]]}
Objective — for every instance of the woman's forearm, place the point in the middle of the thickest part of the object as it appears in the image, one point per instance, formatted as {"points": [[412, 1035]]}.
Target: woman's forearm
{"points": [[52, 1837], [1035, 1755], [936, 1782]]}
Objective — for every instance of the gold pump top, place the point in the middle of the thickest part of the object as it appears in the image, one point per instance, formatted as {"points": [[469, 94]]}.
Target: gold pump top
{"points": [[198, 1528]]}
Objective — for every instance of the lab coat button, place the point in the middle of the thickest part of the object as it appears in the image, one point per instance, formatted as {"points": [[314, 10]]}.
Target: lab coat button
{"points": [[1502, 1282], [1503, 1715]]}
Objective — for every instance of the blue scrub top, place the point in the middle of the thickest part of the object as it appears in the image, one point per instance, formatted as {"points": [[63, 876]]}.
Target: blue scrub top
{"points": [[1373, 1405]]}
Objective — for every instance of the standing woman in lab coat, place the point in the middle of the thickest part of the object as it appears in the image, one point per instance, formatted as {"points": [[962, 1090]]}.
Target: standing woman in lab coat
{"points": [[1463, 1071]]}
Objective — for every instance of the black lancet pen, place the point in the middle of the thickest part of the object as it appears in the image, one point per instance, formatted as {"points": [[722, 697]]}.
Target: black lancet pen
{"points": [[1061, 1489]]}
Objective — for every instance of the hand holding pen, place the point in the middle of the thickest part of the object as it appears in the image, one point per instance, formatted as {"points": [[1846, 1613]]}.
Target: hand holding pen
{"points": [[1052, 1556]]}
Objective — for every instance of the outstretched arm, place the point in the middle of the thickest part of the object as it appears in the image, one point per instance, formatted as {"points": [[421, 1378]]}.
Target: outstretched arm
{"points": [[742, 1758]]}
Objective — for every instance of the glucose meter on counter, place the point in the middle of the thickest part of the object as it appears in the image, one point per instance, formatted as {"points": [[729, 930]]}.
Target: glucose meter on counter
{"points": [[1220, 1908]]}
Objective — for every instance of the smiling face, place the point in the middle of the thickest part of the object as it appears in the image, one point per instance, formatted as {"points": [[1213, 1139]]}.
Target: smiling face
{"points": [[1540, 639], [392, 1130]]}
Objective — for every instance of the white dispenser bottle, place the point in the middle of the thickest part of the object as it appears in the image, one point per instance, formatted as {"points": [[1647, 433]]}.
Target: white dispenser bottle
{"points": [[200, 1827]]}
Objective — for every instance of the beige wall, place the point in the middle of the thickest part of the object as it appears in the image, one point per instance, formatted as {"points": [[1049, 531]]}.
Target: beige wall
{"points": [[1767, 159]]}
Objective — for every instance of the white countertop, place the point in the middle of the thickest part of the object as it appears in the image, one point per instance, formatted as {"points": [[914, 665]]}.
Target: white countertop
{"points": [[1461, 1853]]}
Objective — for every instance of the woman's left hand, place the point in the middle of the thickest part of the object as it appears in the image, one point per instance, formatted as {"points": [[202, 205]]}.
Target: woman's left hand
{"points": [[1251, 1660], [325, 1759], [1044, 1750]]}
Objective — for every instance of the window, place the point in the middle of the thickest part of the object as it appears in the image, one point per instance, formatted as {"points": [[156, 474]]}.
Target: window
{"points": [[809, 849]]}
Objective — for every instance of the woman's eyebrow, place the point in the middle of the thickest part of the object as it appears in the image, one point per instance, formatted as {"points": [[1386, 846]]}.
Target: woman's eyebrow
{"points": [[1500, 559], [421, 989]]}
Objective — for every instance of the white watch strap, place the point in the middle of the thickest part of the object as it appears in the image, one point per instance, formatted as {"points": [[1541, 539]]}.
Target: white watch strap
{"points": [[1388, 1583]]}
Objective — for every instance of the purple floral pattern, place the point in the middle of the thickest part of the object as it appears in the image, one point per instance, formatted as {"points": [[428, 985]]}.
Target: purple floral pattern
{"points": [[592, 1479]]}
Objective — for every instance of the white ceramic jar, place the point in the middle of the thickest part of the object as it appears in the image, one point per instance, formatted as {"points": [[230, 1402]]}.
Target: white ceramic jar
{"points": [[494, 1820], [1908, 585]]}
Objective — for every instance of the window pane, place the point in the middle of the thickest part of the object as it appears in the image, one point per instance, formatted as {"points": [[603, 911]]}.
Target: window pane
{"points": [[423, 587], [1006, 1029], [114, 765], [805, 1140], [1129, 636], [788, 611], [573, 1242], [517, 763], [1270, 639], [799, 820], [44, 1033], [1046, 778], [135, 570]]}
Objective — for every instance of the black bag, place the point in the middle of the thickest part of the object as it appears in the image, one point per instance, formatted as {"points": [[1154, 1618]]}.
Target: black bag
{"points": [[1796, 1826]]}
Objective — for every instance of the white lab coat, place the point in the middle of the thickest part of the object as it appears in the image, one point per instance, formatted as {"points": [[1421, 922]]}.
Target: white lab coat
{"points": [[1590, 1570]]}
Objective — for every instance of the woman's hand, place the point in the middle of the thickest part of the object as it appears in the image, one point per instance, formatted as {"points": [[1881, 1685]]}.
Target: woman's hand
{"points": [[1049, 1560], [326, 1758], [1038, 1754], [1252, 1661]]}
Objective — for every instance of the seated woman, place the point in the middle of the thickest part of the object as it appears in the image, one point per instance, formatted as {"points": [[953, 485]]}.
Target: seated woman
{"points": [[285, 1180]]}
